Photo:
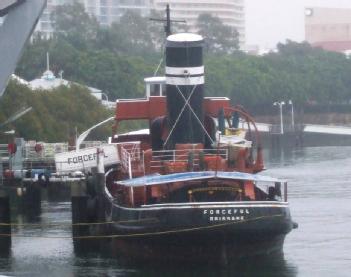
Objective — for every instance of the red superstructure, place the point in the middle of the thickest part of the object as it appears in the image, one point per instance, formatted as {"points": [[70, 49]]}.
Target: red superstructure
{"points": [[223, 157]]}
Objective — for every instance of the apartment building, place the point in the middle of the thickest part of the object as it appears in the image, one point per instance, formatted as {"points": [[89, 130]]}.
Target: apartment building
{"points": [[44, 25], [106, 11], [230, 12]]}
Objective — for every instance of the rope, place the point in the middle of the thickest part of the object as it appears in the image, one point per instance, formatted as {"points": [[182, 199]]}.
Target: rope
{"points": [[191, 109], [71, 224], [158, 67], [161, 60], [180, 114], [146, 234]]}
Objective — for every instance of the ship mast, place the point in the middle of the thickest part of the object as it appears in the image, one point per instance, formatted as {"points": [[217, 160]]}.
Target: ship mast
{"points": [[168, 20]]}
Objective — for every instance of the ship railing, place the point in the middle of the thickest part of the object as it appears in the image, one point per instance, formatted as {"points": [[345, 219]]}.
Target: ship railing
{"points": [[4, 150], [191, 157], [42, 151], [130, 155], [33, 150]]}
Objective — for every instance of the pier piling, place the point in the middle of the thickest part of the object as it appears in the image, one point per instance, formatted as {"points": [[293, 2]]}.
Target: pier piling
{"points": [[31, 199], [5, 220], [79, 200]]}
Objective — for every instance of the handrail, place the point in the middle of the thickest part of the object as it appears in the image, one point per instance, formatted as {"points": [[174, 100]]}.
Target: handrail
{"points": [[249, 120], [258, 166], [182, 155], [130, 152]]}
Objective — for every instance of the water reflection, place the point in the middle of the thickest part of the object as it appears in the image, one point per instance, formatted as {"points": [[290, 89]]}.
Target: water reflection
{"points": [[320, 193], [26, 201], [269, 266]]}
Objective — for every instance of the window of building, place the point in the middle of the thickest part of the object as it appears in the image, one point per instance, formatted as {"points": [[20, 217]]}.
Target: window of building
{"points": [[103, 11]]}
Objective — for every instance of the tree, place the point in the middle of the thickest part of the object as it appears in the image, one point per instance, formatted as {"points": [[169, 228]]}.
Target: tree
{"points": [[55, 114], [219, 38], [136, 30], [72, 22], [117, 58]]}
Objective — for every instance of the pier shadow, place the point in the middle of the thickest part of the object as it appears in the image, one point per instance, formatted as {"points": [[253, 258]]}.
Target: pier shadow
{"points": [[6, 264], [58, 192]]}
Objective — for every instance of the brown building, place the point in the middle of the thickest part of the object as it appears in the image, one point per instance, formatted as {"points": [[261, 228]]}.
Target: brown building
{"points": [[329, 28]]}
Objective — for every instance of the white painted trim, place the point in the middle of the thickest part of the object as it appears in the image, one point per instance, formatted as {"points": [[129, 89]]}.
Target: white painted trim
{"points": [[185, 70], [210, 205], [191, 81], [185, 37], [238, 203]]}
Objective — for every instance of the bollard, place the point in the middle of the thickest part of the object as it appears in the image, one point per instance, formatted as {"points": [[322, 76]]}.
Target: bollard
{"points": [[5, 218], [79, 202]]}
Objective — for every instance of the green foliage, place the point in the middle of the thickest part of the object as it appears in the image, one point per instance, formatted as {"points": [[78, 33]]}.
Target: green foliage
{"points": [[56, 115], [297, 72], [116, 59], [73, 23], [220, 38]]}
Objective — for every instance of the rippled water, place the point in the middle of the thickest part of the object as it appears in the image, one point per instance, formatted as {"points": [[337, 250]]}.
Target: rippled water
{"points": [[320, 200]]}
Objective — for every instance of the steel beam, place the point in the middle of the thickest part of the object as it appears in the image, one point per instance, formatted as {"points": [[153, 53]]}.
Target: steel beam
{"points": [[16, 29], [6, 5]]}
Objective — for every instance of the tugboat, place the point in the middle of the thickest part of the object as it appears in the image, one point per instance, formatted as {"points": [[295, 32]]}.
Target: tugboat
{"points": [[189, 187]]}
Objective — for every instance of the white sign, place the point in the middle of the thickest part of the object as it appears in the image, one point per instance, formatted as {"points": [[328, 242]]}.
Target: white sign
{"points": [[226, 214], [85, 159]]}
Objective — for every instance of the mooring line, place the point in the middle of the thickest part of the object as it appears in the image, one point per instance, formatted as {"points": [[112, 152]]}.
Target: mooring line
{"points": [[73, 224], [145, 234]]}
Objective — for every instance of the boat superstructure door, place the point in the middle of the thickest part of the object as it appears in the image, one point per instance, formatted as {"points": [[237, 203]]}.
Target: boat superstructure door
{"points": [[155, 86]]}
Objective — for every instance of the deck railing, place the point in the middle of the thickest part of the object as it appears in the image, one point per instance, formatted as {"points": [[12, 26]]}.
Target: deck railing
{"points": [[130, 154], [134, 160], [186, 159]]}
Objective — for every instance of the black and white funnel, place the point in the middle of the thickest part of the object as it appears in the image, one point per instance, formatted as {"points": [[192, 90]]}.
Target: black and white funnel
{"points": [[185, 89]]}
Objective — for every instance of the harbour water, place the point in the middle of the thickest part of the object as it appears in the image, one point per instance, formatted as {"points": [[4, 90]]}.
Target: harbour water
{"points": [[320, 200]]}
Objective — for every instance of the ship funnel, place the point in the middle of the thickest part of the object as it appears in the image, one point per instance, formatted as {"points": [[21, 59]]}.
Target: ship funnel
{"points": [[185, 89]]}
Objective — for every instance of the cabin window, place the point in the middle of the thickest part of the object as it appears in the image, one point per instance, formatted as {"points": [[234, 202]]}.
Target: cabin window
{"points": [[269, 191], [155, 90], [163, 89]]}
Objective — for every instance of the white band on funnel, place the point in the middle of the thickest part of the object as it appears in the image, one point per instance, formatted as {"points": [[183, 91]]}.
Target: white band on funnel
{"points": [[185, 81], [185, 70]]}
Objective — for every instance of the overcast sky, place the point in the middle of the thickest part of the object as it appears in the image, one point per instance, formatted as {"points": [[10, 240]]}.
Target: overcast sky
{"points": [[271, 21]]}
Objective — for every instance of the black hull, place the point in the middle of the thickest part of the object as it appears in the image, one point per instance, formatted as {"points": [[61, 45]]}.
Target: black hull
{"points": [[197, 247], [210, 232]]}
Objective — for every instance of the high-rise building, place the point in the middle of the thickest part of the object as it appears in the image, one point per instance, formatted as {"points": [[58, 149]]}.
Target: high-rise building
{"points": [[329, 28], [230, 12], [106, 11], [44, 25]]}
